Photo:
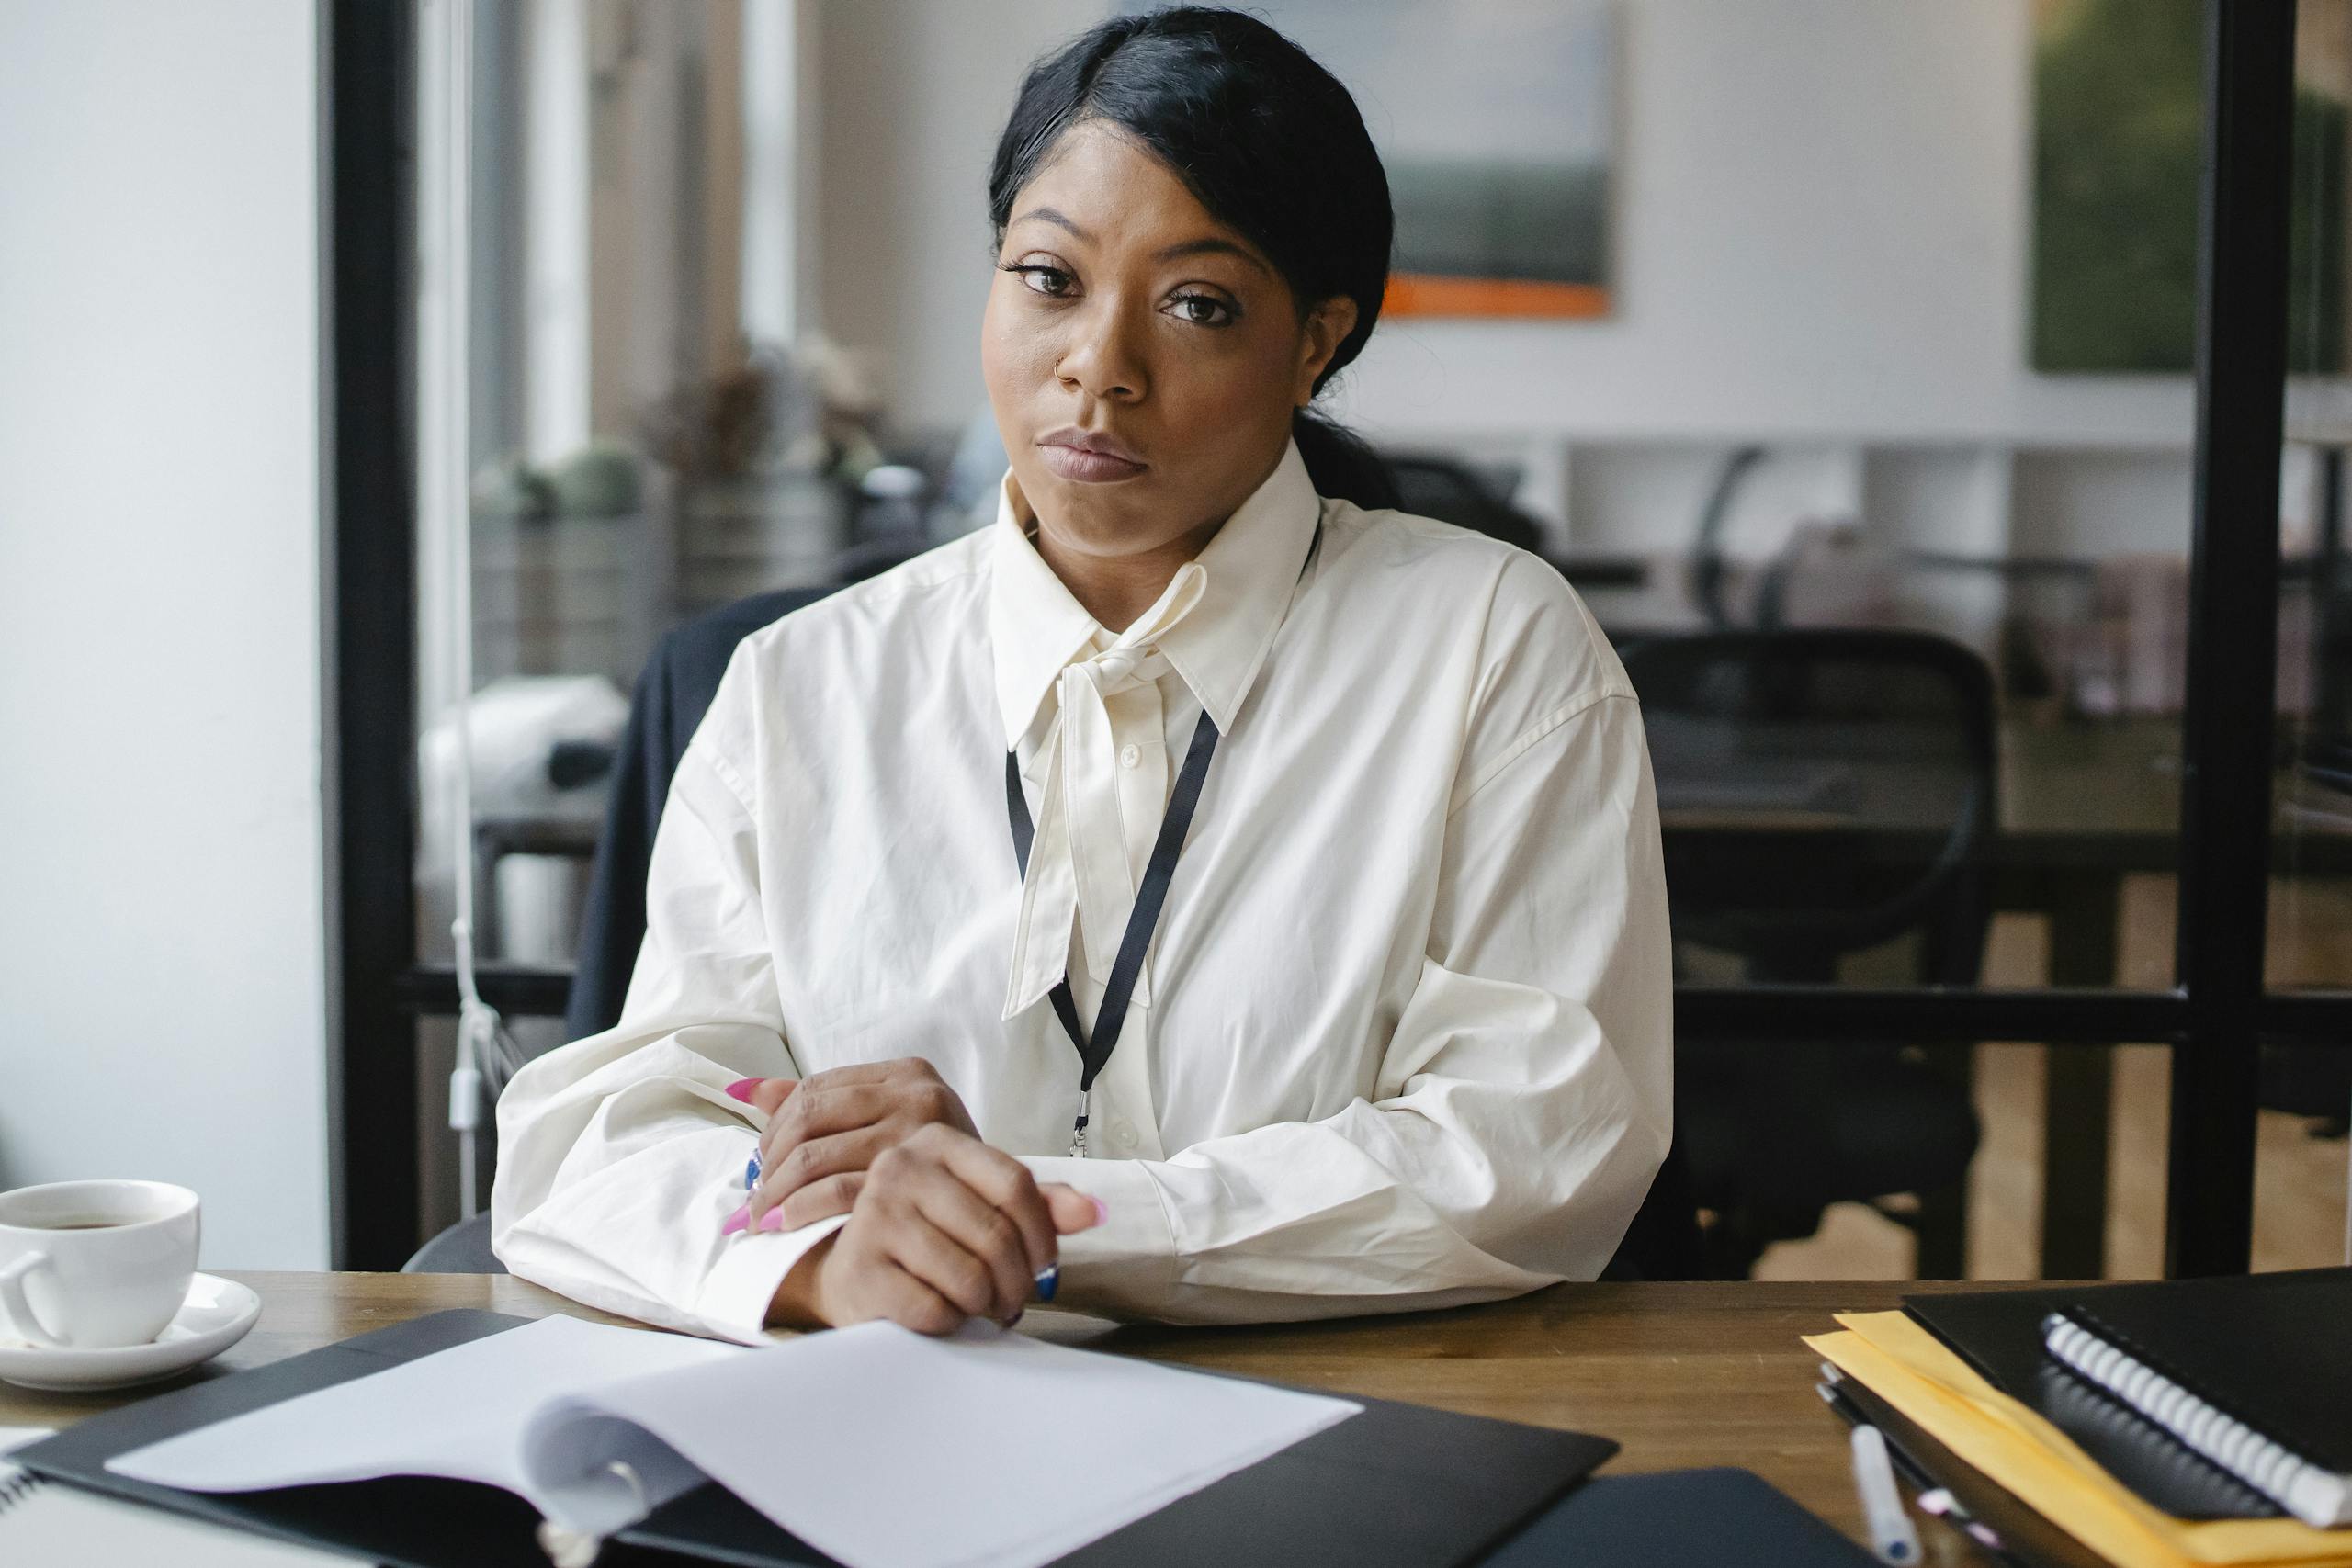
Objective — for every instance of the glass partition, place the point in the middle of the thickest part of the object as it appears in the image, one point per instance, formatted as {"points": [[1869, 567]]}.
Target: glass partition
{"points": [[2302, 1161], [1839, 355]]}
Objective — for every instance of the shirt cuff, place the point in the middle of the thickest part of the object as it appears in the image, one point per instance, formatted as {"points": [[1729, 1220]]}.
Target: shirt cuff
{"points": [[1127, 1265], [741, 1286]]}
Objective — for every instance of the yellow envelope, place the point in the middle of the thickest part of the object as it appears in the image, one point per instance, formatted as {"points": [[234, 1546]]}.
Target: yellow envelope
{"points": [[1911, 1370]]}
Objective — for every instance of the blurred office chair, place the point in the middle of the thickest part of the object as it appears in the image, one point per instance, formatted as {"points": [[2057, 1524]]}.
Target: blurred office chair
{"points": [[1453, 491], [673, 692], [1826, 794], [463, 1248], [1662, 1242]]}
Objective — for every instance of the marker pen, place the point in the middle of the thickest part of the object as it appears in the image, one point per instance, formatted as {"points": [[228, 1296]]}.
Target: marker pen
{"points": [[1892, 1536]]}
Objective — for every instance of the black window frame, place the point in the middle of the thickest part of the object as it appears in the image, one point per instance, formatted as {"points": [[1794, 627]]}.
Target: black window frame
{"points": [[2214, 1018]]}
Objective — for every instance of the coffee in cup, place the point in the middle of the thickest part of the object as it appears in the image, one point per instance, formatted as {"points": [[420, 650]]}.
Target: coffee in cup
{"points": [[86, 1264]]}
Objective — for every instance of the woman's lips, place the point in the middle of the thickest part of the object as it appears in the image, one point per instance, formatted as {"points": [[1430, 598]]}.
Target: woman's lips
{"points": [[1083, 466]]}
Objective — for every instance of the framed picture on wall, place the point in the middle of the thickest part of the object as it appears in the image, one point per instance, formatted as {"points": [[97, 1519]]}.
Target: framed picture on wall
{"points": [[2118, 130], [1497, 122]]}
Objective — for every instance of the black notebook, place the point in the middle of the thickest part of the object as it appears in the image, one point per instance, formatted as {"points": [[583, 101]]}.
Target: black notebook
{"points": [[1998, 1332], [2266, 1349], [1395, 1484], [2254, 1374]]}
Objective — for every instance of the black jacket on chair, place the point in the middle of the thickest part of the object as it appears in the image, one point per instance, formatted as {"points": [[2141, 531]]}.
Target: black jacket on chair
{"points": [[672, 693]]}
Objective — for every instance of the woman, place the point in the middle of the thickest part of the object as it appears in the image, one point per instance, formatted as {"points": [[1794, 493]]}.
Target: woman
{"points": [[1205, 887]]}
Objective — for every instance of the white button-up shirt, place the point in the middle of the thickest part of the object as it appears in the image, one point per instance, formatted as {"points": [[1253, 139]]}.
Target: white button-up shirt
{"points": [[1403, 1039]]}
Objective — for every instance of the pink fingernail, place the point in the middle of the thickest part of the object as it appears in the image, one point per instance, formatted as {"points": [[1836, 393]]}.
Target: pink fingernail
{"points": [[772, 1220], [741, 1089], [1102, 1209], [736, 1221]]}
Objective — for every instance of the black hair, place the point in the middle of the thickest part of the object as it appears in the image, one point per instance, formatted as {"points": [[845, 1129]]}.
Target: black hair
{"points": [[1266, 139]]}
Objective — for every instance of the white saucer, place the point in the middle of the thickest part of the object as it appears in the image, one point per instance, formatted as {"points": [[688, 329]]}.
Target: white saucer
{"points": [[216, 1316]]}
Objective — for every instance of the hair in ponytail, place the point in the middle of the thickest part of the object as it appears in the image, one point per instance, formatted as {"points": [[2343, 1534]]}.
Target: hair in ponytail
{"points": [[1342, 463], [1266, 139]]}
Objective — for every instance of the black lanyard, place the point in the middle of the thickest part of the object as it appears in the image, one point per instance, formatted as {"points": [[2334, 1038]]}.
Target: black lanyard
{"points": [[1141, 919], [1145, 916]]}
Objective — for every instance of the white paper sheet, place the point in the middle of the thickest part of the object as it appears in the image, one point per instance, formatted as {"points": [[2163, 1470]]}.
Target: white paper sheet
{"points": [[459, 1413], [886, 1449], [878, 1447]]}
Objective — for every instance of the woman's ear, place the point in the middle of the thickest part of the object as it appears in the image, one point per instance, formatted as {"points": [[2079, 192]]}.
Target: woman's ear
{"points": [[1327, 327]]}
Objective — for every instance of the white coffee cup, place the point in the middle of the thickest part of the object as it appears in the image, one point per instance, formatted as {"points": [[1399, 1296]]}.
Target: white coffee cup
{"points": [[85, 1265]]}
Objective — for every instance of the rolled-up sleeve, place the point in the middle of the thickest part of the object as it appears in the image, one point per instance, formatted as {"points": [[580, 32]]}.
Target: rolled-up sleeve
{"points": [[1524, 1099], [621, 1154]]}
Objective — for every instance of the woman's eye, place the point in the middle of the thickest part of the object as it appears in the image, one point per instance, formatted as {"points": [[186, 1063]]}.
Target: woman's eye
{"points": [[1051, 281], [1203, 310]]}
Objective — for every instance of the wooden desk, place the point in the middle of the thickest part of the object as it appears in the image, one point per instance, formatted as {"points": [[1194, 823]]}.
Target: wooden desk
{"points": [[1681, 1375]]}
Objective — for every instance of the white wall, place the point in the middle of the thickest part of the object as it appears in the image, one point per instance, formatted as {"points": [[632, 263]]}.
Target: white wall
{"points": [[1823, 229], [162, 962], [911, 96], [1821, 237]]}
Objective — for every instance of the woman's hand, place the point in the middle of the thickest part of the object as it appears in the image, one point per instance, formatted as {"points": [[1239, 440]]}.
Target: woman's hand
{"points": [[825, 1130], [945, 1228]]}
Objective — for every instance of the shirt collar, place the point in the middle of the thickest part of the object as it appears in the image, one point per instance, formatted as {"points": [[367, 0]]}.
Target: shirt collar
{"points": [[1251, 568]]}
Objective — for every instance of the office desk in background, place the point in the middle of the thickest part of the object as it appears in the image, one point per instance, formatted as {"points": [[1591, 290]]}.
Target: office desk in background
{"points": [[1682, 1375], [2082, 806]]}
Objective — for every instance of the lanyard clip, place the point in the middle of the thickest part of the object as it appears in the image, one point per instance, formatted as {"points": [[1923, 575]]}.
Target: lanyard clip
{"points": [[1077, 1137]]}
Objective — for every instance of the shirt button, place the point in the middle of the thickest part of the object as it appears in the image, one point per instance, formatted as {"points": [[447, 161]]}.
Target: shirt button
{"points": [[1130, 756], [1124, 1134]]}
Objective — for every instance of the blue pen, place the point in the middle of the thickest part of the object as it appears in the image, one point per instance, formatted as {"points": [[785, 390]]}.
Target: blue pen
{"points": [[1049, 1278]]}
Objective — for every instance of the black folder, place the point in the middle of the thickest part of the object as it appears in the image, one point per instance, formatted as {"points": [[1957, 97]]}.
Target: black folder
{"points": [[1397, 1486], [2026, 1535], [1999, 1333], [1680, 1518]]}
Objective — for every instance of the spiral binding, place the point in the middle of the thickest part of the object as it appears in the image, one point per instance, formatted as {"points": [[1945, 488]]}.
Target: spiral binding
{"points": [[2228, 1442], [15, 1485]]}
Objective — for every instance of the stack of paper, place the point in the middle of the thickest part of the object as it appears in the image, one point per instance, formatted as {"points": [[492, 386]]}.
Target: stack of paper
{"points": [[880, 1447], [1907, 1366]]}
